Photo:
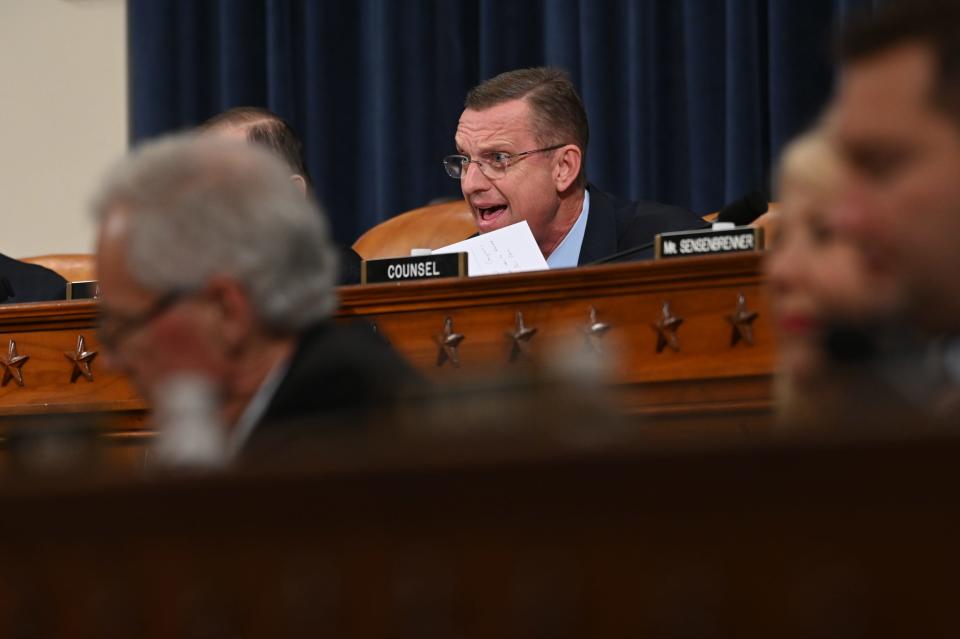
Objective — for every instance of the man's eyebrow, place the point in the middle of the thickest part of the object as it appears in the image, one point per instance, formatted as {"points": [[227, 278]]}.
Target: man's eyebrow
{"points": [[486, 149], [492, 148]]}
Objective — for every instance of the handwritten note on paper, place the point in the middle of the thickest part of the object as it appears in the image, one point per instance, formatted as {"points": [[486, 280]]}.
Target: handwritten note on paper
{"points": [[511, 249]]}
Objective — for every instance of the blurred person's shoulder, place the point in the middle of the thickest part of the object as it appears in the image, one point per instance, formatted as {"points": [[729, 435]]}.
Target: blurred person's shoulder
{"points": [[342, 367]]}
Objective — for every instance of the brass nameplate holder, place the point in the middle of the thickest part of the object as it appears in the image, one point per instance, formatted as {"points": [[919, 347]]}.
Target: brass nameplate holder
{"points": [[418, 267], [739, 239]]}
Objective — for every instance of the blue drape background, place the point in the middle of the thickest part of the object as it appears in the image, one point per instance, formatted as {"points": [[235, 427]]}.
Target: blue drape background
{"points": [[689, 101]]}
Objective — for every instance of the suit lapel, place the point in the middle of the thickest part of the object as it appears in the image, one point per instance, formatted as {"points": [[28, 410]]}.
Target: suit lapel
{"points": [[600, 236]]}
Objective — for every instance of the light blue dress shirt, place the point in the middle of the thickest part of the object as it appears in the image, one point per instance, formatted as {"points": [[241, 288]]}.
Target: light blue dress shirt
{"points": [[567, 253]]}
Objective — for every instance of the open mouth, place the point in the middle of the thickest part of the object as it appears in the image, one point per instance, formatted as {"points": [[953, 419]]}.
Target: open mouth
{"points": [[490, 214]]}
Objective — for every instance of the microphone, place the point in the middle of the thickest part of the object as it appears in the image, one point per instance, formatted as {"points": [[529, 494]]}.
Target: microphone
{"points": [[6, 291], [850, 343], [616, 257], [741, 212], [744, 210]]}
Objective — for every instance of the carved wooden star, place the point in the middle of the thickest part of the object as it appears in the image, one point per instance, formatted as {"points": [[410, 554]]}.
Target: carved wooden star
{"points": [[742, 320], [447, 343], [520, 338], [13, 365], [81, 359], [666, 328], [594, 330]]}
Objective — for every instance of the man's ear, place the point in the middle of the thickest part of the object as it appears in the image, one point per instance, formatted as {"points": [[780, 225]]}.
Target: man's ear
{"points": [[300, 182], [568, 166]]}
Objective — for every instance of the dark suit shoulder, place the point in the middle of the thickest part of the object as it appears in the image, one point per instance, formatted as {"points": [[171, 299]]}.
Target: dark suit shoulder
{"points": [[341, 368], [23, 282], [656, 217], [338, 376], [615, 225]]}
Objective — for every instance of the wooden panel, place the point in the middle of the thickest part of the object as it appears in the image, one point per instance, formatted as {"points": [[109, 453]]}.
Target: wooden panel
{"points": [[857, 540], [628, 298], [45, 332], [707, 379]]}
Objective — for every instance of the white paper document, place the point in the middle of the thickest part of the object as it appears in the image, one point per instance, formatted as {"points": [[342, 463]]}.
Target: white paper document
{"points": [[511, 249]]}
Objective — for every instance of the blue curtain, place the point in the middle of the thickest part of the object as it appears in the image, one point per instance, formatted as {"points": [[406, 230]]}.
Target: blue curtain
{"points": [[689, 101]]}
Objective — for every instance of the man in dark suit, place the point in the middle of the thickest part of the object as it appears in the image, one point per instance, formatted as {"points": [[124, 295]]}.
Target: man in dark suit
{"points": [[22, 282], [217, 290], [526, 131], [267, 129]]}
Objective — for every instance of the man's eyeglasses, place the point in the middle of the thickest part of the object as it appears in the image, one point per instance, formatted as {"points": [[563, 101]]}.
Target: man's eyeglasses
{"points": [[114, 326], [492, 165]]}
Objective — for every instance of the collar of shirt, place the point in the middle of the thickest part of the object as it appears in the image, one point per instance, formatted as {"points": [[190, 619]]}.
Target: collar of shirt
{"points": [[255, 410], [567, 253]]}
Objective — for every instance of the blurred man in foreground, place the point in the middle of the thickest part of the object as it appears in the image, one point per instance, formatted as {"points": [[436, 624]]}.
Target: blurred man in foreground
{"points": [[216, 270], [897, 125], [526, 133]]}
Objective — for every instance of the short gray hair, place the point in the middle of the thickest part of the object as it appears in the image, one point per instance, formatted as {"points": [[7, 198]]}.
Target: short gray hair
{"points": [[205, 206]]}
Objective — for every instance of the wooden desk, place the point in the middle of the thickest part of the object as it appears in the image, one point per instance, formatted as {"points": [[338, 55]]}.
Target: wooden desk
{"points": [[848, 541], [709, 379], [709, 375]]}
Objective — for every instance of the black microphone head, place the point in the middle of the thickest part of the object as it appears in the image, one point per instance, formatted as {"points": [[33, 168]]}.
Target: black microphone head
{"points": [[850, 343], [744, 210]]}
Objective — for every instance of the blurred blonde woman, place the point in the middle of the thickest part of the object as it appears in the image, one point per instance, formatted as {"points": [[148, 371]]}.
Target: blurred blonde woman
{"points": [[817, 279]]}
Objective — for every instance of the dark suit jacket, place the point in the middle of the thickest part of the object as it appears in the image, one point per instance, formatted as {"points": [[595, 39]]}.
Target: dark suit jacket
{"points": [[616, 225], [338, 373], [22, 282]]}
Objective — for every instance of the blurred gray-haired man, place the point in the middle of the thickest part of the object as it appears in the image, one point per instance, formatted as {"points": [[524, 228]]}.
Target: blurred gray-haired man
{"points": [[214, 267]]}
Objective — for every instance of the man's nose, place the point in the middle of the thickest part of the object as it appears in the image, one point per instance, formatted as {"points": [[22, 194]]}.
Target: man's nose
{"points": [[473, 180]]}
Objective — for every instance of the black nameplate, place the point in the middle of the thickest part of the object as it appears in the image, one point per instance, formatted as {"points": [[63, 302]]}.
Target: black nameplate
{"points": [[85, 290], [709, 242], [419, 267]]}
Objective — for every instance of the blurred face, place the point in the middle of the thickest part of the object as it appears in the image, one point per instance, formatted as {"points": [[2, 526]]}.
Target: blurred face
{"points": [[528, 191], [901, 203], [816, 276], [148, 335]]}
